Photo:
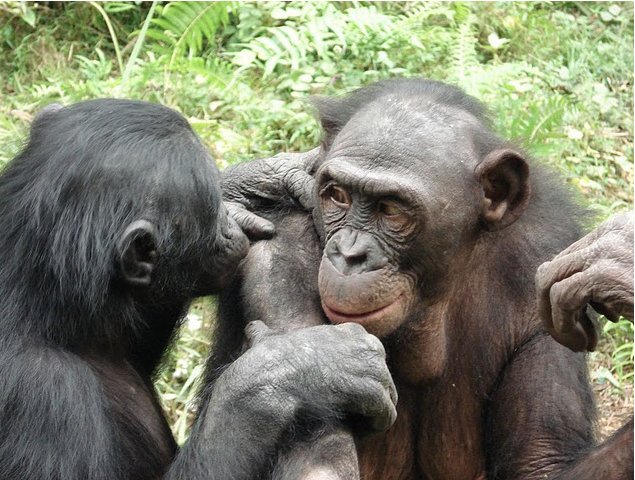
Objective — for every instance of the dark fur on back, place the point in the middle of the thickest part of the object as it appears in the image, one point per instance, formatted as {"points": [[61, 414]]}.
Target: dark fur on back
{"points": [[78, 346], [87, 171]]}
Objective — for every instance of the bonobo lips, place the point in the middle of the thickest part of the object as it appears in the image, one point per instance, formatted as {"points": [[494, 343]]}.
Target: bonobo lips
{"points": [[336, 316], [377, 300]]}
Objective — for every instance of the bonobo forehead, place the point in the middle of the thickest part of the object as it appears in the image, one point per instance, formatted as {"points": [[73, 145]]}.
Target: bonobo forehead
{"points": [[407, 144]]}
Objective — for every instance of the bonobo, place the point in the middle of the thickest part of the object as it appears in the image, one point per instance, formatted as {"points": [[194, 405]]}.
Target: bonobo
{"points": [[277, 284], [111, 221], [432, 228]]}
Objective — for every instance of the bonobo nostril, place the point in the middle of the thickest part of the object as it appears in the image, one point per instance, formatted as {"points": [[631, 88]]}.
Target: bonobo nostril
{"points": [[352, 252], [355, 253]]}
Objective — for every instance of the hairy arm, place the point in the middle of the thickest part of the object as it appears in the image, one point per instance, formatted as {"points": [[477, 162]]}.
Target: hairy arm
{"points": [[540, 421], [53, 418]]}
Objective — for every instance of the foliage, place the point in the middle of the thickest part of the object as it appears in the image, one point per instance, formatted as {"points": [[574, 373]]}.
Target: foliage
{"points": [[187, 25], [557, 77]]}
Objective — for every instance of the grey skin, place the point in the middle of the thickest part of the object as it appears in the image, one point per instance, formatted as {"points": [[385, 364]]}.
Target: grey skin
{"points": [[257, 398], [432, 229], [111, 223], [596, 270], [277, 285]]}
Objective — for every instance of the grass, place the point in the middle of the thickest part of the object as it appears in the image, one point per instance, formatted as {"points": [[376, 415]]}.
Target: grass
{"points": [[557, 77]]}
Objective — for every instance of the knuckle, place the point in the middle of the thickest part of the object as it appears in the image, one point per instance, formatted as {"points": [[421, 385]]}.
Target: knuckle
{"points": [[556, 293], [351, 328], [542, 278], [375, 344]]}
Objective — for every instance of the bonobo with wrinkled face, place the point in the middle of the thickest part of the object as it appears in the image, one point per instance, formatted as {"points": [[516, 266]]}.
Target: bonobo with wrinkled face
{"points": [[432, 229], [399, 199]]}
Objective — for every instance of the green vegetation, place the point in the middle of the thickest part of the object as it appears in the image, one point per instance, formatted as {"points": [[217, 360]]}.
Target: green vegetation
{"points": [[558, 78]]}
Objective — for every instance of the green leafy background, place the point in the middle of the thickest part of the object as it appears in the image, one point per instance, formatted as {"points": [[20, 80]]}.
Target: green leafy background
{"points": [[557, 77]]}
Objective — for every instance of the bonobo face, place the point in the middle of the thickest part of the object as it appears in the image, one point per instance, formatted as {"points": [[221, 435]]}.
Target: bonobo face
{"points": [[368, 226], [224, 245], [396, 197]]}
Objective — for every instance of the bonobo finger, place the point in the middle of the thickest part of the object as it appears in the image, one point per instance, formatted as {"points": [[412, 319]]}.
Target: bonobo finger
{"points": [[378, 414], [256, 332], [384, 419], [311, 159], [300, 186], [565, 265], [561, 267], [376, 344], [583, 334], [392, 390], [255, 227], [351, 328], [569, 298]]}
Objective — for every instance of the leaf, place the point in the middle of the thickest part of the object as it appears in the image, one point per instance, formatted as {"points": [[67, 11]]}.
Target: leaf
{"points": [[189, 25], [495, 41], [29, 16], [244, 58]]}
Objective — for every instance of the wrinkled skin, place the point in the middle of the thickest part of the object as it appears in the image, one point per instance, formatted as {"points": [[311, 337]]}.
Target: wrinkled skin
{"points": [[267, 181], [597, 270], [112, 222], [261, 292], [322, 371], [432, 229], [363, 387]]}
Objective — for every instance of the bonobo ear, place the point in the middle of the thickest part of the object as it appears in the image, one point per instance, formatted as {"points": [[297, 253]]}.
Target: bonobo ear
{"points": [[333, 114], [504, 177], [137, 251]]}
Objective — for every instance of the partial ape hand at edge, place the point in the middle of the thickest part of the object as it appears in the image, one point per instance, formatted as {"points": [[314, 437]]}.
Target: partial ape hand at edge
{"points": [[597, 270]]}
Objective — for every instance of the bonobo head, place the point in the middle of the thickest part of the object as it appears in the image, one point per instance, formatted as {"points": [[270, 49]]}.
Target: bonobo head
{"points": [[411, 176], [117, 201]]}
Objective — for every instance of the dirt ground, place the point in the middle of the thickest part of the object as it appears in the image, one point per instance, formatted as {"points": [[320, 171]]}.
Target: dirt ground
{"points": [[615, 406]]}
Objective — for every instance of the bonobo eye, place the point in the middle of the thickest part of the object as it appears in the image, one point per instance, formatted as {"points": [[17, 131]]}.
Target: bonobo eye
{"points": [[389, 208], [337, 196], [394, 214]]}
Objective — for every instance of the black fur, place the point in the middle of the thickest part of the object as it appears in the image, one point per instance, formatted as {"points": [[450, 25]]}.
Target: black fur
{"points": [[77, 345]]}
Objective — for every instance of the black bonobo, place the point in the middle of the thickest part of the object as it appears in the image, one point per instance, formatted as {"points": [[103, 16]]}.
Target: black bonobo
{"points": [[111, 221], [429, 230]]}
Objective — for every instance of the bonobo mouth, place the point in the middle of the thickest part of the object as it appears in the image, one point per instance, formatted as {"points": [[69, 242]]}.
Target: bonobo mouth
{"points": [[379, 300], [370, 316]]}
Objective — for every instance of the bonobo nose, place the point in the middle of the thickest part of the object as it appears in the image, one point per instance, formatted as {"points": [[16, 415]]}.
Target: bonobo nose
{"points": [[353, 252]]}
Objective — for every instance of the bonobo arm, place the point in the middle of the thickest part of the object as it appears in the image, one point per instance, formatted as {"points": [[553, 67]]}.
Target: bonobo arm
{"points": [[319, 371], [540, 421], [54, 418], [253, 185], [596, 270]]}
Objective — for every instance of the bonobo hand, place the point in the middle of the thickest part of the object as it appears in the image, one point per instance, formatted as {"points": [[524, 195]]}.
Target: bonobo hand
{"points": [[596, 270], [325, 369], [249, 185], [313, 373]]}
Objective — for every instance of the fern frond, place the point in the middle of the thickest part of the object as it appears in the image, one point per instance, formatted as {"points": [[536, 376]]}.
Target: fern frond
{"points": [[464, 57], [189, 25]]}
